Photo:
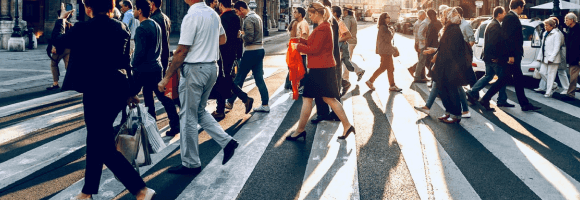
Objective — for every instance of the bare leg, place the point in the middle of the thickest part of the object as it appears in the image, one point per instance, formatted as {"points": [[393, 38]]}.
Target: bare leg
{"points": [[304, 115], [339, 111]]}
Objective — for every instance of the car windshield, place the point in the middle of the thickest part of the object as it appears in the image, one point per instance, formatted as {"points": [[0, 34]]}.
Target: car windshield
{"points": [[527, 31]]}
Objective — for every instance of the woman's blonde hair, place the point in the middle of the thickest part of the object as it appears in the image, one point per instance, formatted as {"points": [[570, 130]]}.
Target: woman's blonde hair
{"points": [[317, 7], [550, 22]]}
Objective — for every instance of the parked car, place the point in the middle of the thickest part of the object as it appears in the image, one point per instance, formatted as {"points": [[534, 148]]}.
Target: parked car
{"points": [[531, 29], [477, 21], [405, 24]]}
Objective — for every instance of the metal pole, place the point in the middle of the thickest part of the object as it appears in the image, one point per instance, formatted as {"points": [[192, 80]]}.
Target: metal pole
{"points": [[17, 31], [265, 21]]}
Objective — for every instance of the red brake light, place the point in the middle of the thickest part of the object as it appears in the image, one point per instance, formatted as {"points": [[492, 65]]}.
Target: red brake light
{"points": [[473, 65], [531, 69]]}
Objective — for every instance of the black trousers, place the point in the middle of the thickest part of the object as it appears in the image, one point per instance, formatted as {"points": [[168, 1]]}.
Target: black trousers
{"points": [[221, 101], [321, 107], [511, 71], [450, 98], [100, 111], [148, 82]]}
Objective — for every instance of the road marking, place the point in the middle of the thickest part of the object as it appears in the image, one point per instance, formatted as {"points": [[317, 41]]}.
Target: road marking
{"points": [[38, 102], [331, 172], [218, 181], [544, 178], [27, 79], [551, 102]]}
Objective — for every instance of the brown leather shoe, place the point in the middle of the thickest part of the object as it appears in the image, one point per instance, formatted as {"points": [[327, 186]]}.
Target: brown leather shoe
{"points": [[443, 117], [451, 120]]}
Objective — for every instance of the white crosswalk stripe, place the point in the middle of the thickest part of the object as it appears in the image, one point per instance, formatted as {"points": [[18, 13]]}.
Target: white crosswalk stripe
{"points": [[332, 170]]}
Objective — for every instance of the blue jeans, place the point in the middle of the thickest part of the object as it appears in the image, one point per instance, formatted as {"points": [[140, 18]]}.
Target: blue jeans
{"points": [[491, 69], [254, 61], [435, 91]]}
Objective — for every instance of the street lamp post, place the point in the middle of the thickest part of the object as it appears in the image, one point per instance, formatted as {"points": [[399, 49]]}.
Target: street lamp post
{"points": [[265, 20], [17, 31], [556, 10]]}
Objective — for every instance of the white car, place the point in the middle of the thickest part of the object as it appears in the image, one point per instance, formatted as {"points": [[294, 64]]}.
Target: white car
{"points": [[531, 29], [376, 16]]}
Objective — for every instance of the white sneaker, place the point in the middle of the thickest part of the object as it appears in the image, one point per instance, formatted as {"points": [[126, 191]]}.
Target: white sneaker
{"points": [[547, 95], [564, 92], [262, 108], [229, 106], [554, 86], [466, 115]]}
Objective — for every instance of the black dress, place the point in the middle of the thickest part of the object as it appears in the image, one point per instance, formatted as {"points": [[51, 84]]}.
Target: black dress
{"points": [[320, 82]]}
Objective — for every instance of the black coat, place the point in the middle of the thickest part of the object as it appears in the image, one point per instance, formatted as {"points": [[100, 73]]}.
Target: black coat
{"points": [[433, 33], [573, 45], [99, 48], [452, 65], [228, 53], [165, 24], [514, 41], [494, 43]]}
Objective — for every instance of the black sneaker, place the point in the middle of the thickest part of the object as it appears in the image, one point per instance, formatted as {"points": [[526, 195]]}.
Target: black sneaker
{"points": [[530, 107], [229, 150], [53, 87], [485, 105], [180, 169]]}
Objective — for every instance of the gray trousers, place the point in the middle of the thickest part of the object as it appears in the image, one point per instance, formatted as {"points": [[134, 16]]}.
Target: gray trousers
{"points": [[195, 85]]}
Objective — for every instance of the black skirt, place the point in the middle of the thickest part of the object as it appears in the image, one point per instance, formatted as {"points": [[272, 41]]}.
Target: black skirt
{"points": [[321, 82]]}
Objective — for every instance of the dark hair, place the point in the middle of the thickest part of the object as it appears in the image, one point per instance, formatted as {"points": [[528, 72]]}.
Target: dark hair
{"points": [[497, 10], [337, 10], [459, 10], [144, 6], [327, 3], [157, 3], [349, 12], [301, 10], [208, 2], [514, 4], [101, 6], [432, 14], [126, 3], [382, 19], [226, 3], [240, 4]]}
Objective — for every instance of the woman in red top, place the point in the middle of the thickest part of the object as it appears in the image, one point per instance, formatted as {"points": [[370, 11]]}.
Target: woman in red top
{"points": [[320, 81]]}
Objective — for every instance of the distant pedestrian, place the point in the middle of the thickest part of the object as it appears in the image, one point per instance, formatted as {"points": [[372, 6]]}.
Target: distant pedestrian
{"points": [[321, 81], [351, 23], [196, 55], [421, 44], [229, 53], [514, 51], [550, 55], [56, 56], [451, 70], [421, 15], [299, 29], [129, 20], [165, 24], [147, 67], [573, 52], [385, 49], [99, 60], [432, 36], [253, 56], [493, 55]]}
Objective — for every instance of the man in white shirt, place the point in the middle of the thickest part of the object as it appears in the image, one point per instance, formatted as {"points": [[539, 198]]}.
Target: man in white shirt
{"points": [[300, 29], [198, 52]]}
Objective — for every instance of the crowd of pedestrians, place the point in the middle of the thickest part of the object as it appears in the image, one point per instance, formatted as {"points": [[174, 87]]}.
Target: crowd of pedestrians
{"points": [[450, 66], [221, 42]]}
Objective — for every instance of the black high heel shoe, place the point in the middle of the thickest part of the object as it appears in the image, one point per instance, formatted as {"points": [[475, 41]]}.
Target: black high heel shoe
{"points": [[303, 135], [351, 129]]}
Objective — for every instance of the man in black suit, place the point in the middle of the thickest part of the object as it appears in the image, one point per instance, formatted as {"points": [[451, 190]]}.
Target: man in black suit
{"points": [[492, 54], [514, 51]]}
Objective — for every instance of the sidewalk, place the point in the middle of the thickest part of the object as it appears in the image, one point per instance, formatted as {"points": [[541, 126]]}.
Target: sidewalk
{"points": [[29, 72]]}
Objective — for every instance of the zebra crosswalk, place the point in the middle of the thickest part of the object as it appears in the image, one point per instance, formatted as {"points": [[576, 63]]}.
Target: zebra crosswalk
{"points": [[506, 154]]}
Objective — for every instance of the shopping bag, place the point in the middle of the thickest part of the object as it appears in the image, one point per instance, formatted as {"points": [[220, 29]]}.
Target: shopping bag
{"points": [[154, 140], [296, 67], [132, 141], [171, 90]]}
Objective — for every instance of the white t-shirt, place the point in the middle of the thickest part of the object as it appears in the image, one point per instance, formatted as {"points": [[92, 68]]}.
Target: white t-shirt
{"points": [[201, 29]]}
